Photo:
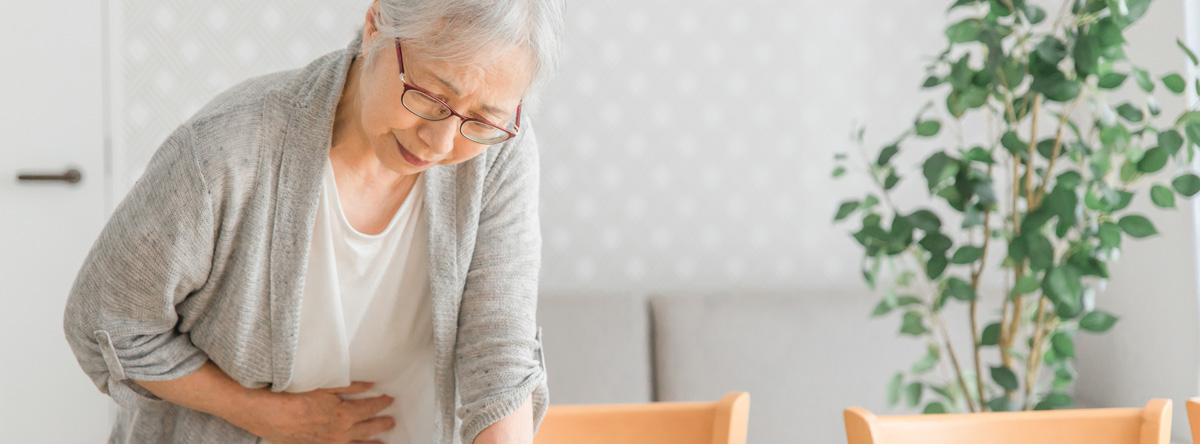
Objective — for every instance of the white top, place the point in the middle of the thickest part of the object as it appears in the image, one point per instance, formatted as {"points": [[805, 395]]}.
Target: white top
{"points": [[366, 313]]}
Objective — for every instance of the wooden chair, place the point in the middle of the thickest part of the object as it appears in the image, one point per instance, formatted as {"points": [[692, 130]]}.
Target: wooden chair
{"points": [[1151, 425], [721, 422], [1193, 411]]}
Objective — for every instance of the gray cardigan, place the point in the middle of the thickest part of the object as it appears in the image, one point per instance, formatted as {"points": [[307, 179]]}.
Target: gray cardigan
{"points": [[204, 259]]}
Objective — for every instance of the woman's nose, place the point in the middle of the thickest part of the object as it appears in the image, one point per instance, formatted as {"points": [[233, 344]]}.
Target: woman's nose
{"points": [[439, 135]]}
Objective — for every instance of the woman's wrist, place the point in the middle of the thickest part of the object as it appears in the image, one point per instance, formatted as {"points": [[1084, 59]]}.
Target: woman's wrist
{"points": [[253, 410], [211, 390]]}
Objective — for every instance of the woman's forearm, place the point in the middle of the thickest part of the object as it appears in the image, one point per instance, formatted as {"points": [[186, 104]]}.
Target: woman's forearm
{"points": [[211, 391], [516, 428]]}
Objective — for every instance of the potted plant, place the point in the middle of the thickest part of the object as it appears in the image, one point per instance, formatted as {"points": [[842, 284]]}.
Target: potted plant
{"points": [[1040, 203]]}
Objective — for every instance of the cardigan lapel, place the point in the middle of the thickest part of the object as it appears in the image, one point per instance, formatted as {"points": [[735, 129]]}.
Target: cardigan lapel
{"points": [[304, 149], [441, 223]]}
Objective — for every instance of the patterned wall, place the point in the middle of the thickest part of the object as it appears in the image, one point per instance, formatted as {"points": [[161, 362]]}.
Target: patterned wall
{"points": [[686, 144]]}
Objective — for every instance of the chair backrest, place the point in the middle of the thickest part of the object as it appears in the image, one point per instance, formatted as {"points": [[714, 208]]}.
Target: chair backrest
{"points": [[1193, 411], [1151, 425], [721, 422]]}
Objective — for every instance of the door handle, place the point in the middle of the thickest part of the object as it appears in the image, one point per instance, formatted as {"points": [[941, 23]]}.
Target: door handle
{"points": [[69, 176]]}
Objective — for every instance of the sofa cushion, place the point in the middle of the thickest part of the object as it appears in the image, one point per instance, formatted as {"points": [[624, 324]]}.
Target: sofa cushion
{"points": [[803, 359], [597, 348]]}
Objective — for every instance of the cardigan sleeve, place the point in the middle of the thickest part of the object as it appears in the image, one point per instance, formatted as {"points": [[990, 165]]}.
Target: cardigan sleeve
{"points": [[498, 354], [157, 247]]}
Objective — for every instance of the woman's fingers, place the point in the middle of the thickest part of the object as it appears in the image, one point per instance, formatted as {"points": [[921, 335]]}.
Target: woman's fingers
{"points": [[363, 409], [354, 388], [372, 427]]}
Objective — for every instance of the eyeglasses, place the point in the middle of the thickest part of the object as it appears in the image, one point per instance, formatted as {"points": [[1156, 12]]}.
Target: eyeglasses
{"points": [[426, 106]]}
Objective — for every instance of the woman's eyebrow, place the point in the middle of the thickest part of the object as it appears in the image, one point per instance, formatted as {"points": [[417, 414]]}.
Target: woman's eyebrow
{"points": [[490, 109]]}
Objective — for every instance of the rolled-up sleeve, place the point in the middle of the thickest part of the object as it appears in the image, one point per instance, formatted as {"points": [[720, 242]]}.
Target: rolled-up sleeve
{"points": [[120, 318], [498, 352]]}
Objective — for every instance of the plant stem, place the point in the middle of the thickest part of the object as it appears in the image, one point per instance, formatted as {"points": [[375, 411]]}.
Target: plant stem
{"points": [[1029, 171], [975, 275], [1062, 121], [1035, 353]]}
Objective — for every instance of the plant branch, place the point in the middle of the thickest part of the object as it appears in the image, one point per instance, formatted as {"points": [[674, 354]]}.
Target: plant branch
{"points": [[1058, 139], [933, 316], [1035, 352]]}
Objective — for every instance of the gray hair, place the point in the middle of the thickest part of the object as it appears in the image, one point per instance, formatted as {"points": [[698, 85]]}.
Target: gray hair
{"points": [[475, 32]]}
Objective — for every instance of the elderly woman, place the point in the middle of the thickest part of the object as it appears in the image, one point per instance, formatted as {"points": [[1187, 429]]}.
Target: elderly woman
{"points": [[347, 252]]}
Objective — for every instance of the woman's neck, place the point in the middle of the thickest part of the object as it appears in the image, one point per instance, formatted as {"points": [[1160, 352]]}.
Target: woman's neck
{"points": [[350, 149]]}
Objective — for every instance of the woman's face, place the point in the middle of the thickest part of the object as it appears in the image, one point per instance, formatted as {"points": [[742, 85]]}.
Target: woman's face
{"points": [[408, 144]]}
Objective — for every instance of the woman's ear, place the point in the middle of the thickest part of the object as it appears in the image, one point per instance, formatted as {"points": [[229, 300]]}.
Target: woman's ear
{"points": [[370, 29]]}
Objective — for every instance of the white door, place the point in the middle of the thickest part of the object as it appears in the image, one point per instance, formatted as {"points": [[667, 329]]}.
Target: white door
{"points": [[51, 121]]}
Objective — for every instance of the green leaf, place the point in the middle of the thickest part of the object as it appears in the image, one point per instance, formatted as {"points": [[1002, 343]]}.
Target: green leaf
{"points": [[1064, 287], [1137, 226], [1143, 79], [1110, 235], [1154, 159], [1191, 55], [1112, 80], [936, 242], [964, 31], [1170, 140], [1055, 86], [1097, 321], [925, 220], [839, 171], [1125, 12], [1175, 83], [990, 335], [959, 289], [936, 265], [1040, 250], [939, 167], [928, 128], [1027, 284], [966, 254], [913, 324], [1193, 134], [927, 362], [846, 209], [1063, 345], [1107, 33], [885, 306], [1058, 400], [934, 408], [932, 81], [1162, 196], [1063, 377], [1051, 50], [1000, 404], [978, 154], [912, 393], [1086, 55], [1187, 184], [1005, 378], [1116, 137], [893, 393], [891, 180], [1128, 112], [885, 155], [1014, 144]]}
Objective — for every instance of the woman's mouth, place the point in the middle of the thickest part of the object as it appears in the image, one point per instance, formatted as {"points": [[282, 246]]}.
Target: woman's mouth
{"points": [[409, 157]]}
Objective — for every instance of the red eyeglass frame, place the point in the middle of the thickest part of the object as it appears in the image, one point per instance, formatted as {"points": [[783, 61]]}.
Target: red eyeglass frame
{"points": [[407, 86]]}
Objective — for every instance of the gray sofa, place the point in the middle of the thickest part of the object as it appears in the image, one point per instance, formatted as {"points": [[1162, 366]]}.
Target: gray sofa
{"points": [[802, 358]]}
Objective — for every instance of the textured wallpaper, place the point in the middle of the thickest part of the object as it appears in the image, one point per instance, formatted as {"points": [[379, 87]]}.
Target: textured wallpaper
{"points": [[686, 145]]}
